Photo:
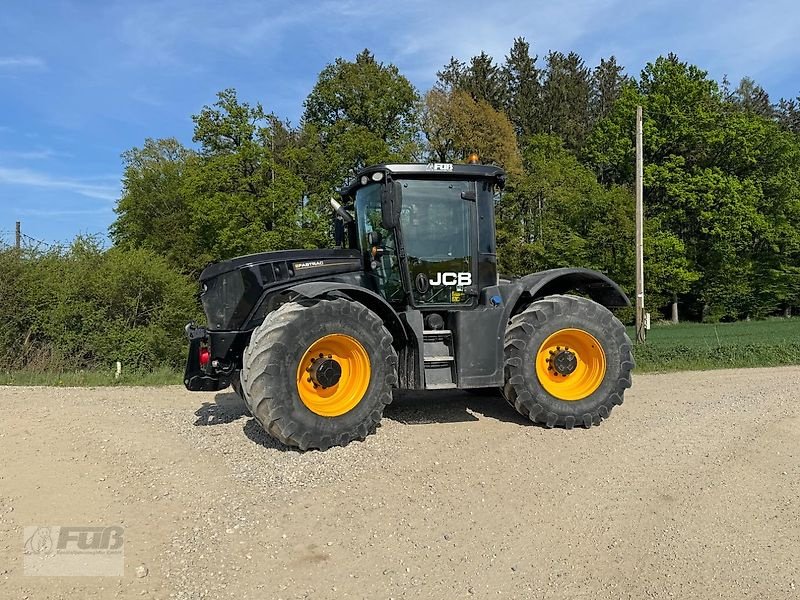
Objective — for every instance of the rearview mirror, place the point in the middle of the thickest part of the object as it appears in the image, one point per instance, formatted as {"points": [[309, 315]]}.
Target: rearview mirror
{"points": [[390, 204], [338, 232]]}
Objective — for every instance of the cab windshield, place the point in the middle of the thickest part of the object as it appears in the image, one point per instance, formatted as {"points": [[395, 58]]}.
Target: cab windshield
{"points": [[437, 223]]}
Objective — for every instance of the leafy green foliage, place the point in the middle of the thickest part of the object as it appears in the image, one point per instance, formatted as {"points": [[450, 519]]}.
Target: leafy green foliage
{"points": [[456, 125], [83, 307], [359, 113], [721, 182], [523, 88], [240, 193], [553, 213]]}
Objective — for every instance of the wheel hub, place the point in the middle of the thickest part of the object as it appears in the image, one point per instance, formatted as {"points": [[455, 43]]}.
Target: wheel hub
{"points": [[325, 371], [564, 362], [570, 364], [333, 375]]}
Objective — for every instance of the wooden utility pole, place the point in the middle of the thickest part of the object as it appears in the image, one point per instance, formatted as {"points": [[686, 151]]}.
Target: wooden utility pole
{"points": [[18, 236], [640, 317]]}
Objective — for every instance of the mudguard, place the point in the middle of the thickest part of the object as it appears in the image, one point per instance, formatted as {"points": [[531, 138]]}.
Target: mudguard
{"points": [[373, 301], [597, 286]]}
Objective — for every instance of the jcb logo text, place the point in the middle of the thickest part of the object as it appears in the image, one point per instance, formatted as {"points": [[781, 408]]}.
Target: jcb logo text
{"points": [[458, 279]]}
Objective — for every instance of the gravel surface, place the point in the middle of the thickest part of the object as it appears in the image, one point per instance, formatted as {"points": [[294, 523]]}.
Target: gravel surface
{"points": [[689, 491]]}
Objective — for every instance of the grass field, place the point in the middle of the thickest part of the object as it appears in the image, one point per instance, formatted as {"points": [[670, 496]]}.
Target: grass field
{"points": [[91, 378], [696, 346], [684, 347]]}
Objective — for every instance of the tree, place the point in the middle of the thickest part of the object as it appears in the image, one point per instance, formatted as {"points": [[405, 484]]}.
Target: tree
{"points": [[240, 193], [358, 113], [565, 98], [524, 89], [248, 196], [451, 76], [709, 171], [669, 272], [751, 97], [788, 114], [484, 81], [481, 78], [557, 215], [607, 81], [154, 211], [457, 125]]}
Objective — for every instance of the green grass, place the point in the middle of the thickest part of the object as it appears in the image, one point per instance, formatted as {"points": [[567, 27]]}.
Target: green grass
{"points": [[688, 346], [696, 346], [90, 378]]}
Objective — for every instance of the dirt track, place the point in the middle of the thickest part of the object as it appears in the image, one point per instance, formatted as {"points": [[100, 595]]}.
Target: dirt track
{"points": [[690, 490]]}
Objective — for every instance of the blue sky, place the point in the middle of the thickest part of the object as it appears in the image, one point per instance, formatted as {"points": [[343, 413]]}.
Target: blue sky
{"points": [[83, 80]]}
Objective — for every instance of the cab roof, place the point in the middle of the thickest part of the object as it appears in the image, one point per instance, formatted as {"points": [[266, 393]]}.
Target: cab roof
{"points": [[425, 171]]}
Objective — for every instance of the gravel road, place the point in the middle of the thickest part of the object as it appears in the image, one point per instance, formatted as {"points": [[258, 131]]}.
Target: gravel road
{"points": [[690, 490]]}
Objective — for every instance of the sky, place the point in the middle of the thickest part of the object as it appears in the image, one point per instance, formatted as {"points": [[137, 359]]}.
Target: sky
{"points": [[81, 81]]}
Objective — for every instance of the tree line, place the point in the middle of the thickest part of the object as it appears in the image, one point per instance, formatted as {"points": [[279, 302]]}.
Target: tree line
{"points": [[722, 183], [721, 178]]}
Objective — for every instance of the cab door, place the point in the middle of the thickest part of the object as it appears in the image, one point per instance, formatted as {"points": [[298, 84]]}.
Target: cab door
{"points": [[437, 222]]}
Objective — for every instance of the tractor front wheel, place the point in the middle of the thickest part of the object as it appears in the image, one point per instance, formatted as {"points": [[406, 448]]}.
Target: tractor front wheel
{"points": [[568, 362], [318, 373]]}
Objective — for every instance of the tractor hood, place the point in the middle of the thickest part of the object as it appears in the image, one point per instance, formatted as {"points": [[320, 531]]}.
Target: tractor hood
{"points": [[232, 288]]}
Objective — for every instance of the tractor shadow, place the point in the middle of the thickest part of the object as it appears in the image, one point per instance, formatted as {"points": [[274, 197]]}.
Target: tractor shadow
{"points": [[226, 408], [429, 407], [407, 407]]}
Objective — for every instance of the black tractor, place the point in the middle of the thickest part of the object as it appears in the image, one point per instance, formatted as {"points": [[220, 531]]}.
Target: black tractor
{"points": [[316, 340]]}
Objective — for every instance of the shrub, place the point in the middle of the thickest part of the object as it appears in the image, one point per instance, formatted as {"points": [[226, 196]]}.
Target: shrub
{"points": [[86, 307]]}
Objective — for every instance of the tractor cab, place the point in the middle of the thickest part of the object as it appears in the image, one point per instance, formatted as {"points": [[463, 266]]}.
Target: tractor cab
{"points": [[426, 232]]}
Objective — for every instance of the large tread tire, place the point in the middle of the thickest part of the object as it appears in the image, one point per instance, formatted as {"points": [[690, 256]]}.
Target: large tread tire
{"points": [[269, 368], [529, 329]]}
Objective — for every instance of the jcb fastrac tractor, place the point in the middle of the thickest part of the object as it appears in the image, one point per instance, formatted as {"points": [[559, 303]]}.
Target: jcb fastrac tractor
{"points": [[315, 340]]}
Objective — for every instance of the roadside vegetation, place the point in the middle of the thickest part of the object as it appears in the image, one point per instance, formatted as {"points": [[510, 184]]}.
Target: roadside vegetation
{"points": [[722, 179], [92, 378]]}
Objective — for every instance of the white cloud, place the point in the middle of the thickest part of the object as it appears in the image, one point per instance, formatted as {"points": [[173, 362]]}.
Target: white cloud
{"points": [[35, 212], [21, 62], [41, 154], [27, 177]]}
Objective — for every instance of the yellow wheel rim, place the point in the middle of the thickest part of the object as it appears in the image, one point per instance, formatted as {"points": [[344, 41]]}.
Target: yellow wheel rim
{"points": [[347, 392], [571, 364]]}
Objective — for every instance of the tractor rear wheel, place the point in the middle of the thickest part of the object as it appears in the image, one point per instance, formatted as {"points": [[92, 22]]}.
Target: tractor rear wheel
{"points": [[318, 373], [568, 362]]}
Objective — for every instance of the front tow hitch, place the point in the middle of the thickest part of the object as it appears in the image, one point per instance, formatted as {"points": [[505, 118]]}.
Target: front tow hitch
{"points": [[200, 376]]}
